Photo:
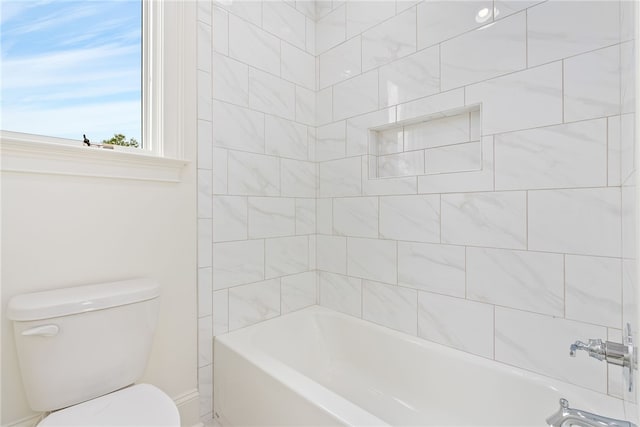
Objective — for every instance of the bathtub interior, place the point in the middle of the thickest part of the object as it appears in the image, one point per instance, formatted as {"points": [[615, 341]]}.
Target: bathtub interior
{"points": [[406, 381]]}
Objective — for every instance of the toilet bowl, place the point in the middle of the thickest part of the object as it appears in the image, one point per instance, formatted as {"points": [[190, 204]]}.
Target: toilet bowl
{"points": [[81, 351], [139, 405]]}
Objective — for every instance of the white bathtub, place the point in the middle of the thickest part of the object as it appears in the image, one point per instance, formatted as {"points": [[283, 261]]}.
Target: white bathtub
{"points": [[317, 367]]}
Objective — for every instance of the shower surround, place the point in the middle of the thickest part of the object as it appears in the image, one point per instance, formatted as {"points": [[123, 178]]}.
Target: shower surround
{"points": [[506, 231]]}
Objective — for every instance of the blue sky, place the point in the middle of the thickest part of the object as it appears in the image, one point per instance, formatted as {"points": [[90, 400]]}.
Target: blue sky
{"points": [[71, 67]]}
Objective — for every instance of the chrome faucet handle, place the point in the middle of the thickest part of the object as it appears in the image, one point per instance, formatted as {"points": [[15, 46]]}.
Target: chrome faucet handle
{"points": [[596, 348], [571, 416]]}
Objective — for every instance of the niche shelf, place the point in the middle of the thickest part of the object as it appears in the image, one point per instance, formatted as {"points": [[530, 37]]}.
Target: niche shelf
{"points": [[445, 142]]}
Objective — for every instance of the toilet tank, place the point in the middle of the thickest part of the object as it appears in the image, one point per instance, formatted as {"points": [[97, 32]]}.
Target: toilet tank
{"points": [[78, 343]]}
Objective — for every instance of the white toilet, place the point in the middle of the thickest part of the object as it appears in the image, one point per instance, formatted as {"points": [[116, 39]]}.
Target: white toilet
{"points": [[80, 350]]}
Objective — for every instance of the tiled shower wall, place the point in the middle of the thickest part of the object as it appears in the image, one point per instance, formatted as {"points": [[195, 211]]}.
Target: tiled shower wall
{"points": [[257, 175], [512, 260]]}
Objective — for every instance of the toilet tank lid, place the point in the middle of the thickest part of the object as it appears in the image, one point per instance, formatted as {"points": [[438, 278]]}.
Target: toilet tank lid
{"points": [[80, 299]]}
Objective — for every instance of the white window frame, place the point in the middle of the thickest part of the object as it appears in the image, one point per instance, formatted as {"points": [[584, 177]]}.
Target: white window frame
{"points": [[168, 90]]}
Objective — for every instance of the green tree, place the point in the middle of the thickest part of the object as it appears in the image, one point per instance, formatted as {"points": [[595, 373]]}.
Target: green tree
{"points": [[120, 139]]}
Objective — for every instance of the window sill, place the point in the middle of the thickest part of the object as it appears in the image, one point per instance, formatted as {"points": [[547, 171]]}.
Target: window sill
{"points": [[26, 155]]}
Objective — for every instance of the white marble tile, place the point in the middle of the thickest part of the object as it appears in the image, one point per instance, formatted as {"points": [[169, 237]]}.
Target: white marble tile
{"points": [[204, 193], [522, 100], [481, 180], [312, 140], [430, 105], [238, 128], [305, 216], [205, 46], [331, 29], [204, 95], [356, 96], [298, 178], [411, 77], [562, 156], [454, 158], [389, 186], [272, 95], [447, 320], [387, 141], [442, 20], [254, 46], [341, 62], [627, 146], [358, 129], [372, 259], [204, 12], [322, 7], [253, 303], [485, 219], [235, 263], [437, 132], [205, 389], [558, 29], [229, 218], [502, 8], [285, 138], [401, 164], [305, 106], [220, 161], [285, 22], [253, 174], [594, 290], [298, 291], [545, 349], [389, 40], [332, 254], [362, 15], [308, 7], [286, 255], [298, 66], [271, 217], [312, 252], [230, 80], [531, 281], [205, 341], [490, 51], [629, 219], [592, 85], [391, 306], [330, 141], [614, 151], [310, 30], [432, 267], [628, 76], [576, 221], [220, 312], [205, 144], [220, 30], [205, 237], [324, 106], [629, 291], [341, 177], [412, 218], [324, 216], [627, 19], [356, 216], [205, 287], [249, 10], [341, 293]]}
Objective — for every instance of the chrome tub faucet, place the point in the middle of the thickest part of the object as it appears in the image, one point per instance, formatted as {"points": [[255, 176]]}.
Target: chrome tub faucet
{"points": [[567, 416]]}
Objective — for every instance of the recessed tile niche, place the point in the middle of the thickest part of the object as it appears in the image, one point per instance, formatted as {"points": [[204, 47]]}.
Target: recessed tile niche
{"points": [[445, 142]]}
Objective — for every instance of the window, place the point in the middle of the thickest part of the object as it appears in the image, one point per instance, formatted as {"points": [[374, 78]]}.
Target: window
{"points": [[73, 67], [169, 93]]}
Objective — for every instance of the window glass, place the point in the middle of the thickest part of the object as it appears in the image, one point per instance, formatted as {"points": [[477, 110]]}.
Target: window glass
{"points": [[70, 68]]}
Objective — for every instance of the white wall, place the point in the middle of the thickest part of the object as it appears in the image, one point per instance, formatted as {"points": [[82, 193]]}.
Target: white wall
{"points": [[60, 231]]}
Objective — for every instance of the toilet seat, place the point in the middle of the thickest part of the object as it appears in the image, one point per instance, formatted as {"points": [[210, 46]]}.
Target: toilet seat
{"points": [[138, 405]]}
